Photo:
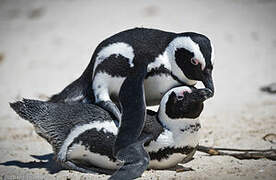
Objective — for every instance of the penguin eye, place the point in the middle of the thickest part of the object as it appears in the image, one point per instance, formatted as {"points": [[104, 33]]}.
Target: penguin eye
{"points": [[194, 61]]}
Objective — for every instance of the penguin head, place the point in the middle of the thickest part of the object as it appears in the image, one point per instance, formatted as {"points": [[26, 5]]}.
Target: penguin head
{"points": [[184, 102], [193, 57]]}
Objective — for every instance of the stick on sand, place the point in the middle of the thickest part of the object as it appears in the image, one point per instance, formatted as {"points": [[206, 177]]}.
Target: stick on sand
{"points": [[246, 153]]}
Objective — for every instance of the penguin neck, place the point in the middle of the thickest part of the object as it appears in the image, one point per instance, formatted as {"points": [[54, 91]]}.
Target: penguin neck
{"points": [[176, 125], [182, 132]]}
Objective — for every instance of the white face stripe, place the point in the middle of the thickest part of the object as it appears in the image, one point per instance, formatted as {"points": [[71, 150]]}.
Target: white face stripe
{"points": [[189, 44], [167, 58], [106, 126], [119, 48]]}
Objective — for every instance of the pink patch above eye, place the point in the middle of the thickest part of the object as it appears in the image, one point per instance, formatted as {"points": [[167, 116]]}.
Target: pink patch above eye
{"points": [[186, 91], [194, 61]]}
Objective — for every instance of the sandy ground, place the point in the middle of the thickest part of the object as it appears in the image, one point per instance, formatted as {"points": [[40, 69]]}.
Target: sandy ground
{"points": [[46, 45]]}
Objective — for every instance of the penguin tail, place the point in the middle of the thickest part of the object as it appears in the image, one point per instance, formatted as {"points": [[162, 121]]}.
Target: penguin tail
{"points": [[30, 110], [79, 91], [41, 115]]}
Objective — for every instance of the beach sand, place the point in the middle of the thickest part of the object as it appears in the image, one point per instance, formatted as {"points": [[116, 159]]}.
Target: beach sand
{"points": [[45, 45]]}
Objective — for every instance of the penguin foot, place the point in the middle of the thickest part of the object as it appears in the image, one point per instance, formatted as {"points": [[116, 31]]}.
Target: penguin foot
{"points": [[136, 161], [112, 108]]}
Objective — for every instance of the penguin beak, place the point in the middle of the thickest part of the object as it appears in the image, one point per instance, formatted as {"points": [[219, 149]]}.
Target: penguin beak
{"points": [[200, 95], [208, 81], [206, 94]]}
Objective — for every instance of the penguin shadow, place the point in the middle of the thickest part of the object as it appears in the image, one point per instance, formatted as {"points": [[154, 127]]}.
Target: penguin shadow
{"points": [[44, 161], [47, 162]]}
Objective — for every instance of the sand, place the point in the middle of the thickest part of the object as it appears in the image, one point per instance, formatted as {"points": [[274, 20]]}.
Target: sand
{"points": [[44, 45]]}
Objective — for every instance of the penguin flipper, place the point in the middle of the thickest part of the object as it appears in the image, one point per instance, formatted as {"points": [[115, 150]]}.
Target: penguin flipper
{"points": [[78, 91], [111, 107], [128, 147]]}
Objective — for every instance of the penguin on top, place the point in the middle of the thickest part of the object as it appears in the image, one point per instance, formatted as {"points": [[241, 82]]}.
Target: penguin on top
{"points": [[134, 68], [83, 135]]}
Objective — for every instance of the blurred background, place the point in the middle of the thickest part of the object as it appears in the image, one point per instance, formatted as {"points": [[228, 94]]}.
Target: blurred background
{"points": [[45, 45]]}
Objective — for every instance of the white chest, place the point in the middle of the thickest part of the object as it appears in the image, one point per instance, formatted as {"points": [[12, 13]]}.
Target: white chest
{"points": [[156, 86]]}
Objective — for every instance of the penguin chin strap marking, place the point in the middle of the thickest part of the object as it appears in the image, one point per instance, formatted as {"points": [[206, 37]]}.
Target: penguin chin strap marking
{"points": [[163, 69], [178, 80]]}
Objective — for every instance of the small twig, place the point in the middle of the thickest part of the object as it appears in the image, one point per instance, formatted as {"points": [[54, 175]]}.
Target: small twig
{"points": [[184, 169], [239, 150], [247, 153]]}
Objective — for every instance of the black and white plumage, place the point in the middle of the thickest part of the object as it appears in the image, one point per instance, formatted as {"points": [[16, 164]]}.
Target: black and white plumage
{"points": [[83, 135], [135, 68]]}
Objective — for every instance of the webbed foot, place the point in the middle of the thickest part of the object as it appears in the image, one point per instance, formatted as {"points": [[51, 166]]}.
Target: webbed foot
{"points": [[136, 161]]}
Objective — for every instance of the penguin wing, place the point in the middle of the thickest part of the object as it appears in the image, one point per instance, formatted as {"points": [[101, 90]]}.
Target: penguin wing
{"points": [[152, 127]]}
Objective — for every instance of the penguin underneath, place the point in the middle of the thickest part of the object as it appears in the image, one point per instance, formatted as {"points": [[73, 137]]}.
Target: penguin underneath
{"points": [[83, 135], [135, 68]]}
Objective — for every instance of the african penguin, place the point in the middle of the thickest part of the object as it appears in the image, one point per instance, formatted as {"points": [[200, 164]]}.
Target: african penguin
{"points": [[135, 68], [83, 135]]}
